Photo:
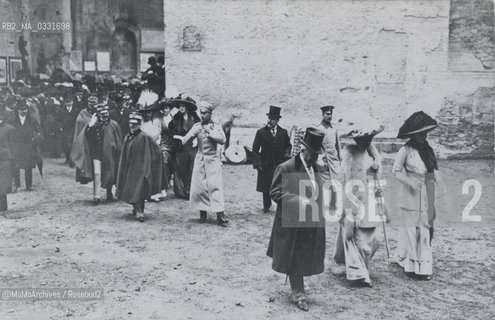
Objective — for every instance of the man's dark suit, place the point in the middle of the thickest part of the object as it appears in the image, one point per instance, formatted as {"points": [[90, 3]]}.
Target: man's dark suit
{"points": [[268, 152]]}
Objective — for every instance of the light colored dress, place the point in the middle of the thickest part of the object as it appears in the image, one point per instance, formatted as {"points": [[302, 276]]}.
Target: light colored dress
{"points": [[414, 252], [356, 250]]}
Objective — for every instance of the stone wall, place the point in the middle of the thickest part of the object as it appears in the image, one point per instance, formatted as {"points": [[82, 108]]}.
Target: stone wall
{"points": [[387, 58]]}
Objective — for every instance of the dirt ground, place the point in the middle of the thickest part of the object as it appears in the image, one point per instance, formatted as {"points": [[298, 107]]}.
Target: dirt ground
{"points": [[172, 267]]}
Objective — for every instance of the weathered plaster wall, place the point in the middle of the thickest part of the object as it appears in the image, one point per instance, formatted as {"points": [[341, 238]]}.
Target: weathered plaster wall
{"points": [[388, 58]]}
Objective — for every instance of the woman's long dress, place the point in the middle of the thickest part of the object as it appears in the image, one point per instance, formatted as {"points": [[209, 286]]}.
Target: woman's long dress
{"points": [[414, 252]]}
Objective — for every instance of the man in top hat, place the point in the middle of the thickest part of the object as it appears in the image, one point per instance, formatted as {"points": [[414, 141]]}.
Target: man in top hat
{"points": [[51, 123], [297, 241], [331, 159], [6, 158], [103, 139], [140, 168], [67, 117], [271, 147], [206, 184], [26, 137]]}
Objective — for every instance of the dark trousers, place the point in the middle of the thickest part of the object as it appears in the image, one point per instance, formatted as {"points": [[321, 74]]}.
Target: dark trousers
{"points": [[139, 207], [267, 201], [28, 175], [297, 287], [3, 202]]}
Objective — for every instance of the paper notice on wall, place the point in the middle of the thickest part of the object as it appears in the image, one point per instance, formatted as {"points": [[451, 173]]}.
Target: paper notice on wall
{"points": [[76, 61], [152, 40], [103, 61], [89, 66]]}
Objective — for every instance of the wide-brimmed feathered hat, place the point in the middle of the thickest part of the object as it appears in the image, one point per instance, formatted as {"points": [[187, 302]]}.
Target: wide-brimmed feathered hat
{"points": [[417, 122], [148, 101], [188, 102], [361, 125]]}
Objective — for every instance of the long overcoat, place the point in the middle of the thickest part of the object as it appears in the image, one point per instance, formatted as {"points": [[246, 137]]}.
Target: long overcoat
{"points": [[268, 153], [6, 157], [82, 120], [296, 247], [206, 183], [25, 142]]}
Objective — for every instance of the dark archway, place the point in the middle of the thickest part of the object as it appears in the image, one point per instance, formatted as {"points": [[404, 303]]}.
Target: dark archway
{"points": [[123, 53]]}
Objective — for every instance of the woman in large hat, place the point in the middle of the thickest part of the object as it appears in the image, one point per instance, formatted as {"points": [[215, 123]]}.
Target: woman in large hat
{"points": [[183, 155], [415, 168], [152, 125], [357, 239]]}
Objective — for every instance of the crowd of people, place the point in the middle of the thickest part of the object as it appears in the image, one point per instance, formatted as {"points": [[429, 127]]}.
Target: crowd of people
{"points": [[136, 140]]}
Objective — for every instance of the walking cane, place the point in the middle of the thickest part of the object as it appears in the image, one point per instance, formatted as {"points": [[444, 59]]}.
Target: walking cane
{"points": [[379, 202]]}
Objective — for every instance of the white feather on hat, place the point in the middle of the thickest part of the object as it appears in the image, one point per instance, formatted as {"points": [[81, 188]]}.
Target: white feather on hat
{"points": [[147, 98], [361, 124]]}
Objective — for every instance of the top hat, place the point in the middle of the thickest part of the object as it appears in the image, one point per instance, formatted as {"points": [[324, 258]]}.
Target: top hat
{"points": [[417, 122], [327, 108], [274, 112], [313, 139], [20, 104]]}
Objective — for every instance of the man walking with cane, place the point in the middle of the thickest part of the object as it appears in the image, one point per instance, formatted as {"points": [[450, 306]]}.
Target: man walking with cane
{"points": [[297, 242]]}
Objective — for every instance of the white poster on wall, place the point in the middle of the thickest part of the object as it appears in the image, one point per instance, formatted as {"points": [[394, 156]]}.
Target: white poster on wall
{"points": [[103, 61], [89, 66], [76, 61], [152, 40]]}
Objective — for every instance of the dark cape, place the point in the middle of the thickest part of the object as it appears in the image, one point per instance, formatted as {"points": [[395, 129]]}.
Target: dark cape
{"points": [[81, 121], [140, 169], [112, 146]]}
